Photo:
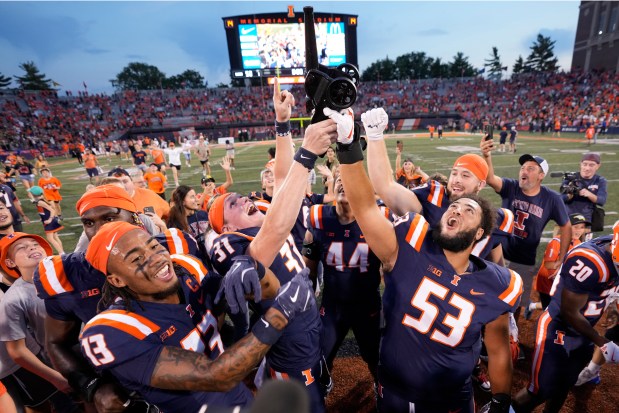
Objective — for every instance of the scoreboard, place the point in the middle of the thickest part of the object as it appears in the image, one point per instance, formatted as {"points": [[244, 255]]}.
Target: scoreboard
{"points": [[273, 44]]}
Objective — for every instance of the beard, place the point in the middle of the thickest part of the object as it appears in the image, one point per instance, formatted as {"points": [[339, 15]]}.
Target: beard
{"points": [[459, 242], [168, 292]]}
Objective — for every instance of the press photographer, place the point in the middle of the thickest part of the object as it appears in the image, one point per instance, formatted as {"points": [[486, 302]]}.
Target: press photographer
{"points": [[584, 192]]}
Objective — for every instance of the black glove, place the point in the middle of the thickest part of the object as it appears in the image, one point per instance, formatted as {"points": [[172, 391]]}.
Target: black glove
{"points": [[296, 296], [242, 278], [500, 403]]}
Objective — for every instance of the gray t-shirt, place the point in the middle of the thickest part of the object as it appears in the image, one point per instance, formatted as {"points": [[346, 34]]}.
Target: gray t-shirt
{"points": [[22, 315]]}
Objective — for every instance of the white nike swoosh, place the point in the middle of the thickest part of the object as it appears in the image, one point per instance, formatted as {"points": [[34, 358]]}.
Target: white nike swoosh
{"points": [[235, 266], [110, 245], [304, 157], [249, 30], [266, 323], [295, 296]]}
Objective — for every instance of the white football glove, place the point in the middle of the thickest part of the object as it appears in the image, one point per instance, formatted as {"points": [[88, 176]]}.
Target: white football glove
{"points": [[345, 120], [611, 352], [375, 122]]}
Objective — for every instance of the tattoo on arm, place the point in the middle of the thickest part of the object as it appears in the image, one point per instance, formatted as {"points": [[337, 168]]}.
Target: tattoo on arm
{"points": [[179, 369]]}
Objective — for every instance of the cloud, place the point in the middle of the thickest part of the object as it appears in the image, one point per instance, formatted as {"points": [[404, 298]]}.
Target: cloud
{"points": [[433, 32], [46, 37]]}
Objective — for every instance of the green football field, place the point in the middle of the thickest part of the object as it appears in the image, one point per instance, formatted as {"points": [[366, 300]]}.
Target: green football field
{"points": [[433, 156]]}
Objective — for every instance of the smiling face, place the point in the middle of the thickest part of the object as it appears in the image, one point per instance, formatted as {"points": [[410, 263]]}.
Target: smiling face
{"points": [[95, 217], [191, 202], [578, 230], [6, 218], [588, 169], [140, 263], [462, 182], [25, 254], [267, 180], [530, 177], [240, 213]]}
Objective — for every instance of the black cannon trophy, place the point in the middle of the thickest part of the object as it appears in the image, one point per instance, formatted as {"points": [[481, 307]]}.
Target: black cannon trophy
{"points": [[326, 87]]}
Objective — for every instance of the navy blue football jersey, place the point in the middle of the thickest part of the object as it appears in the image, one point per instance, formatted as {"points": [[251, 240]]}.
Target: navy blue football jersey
{"points": [[587, 269], [531, 214], [434, 317], [435, 200], [351, 270], [298, 348], [128, 343]]}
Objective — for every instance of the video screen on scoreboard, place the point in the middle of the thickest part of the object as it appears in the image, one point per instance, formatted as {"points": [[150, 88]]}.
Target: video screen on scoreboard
{"points": [[265, 46]]}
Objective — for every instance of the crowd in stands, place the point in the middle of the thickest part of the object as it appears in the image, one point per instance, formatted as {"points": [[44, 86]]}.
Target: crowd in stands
{"points": [[535, 101]]}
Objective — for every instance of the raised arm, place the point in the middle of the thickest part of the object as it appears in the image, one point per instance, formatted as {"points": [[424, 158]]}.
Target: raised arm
{"points": [[287, 200], [225, 165], [494, 181], [399, 199], [283, 101], [377, 230]]}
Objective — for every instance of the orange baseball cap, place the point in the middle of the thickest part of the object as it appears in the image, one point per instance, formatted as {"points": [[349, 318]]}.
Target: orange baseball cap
{"points": [[8, 240], [474, 163], [102, 244], [106, 195], [216, 213]]}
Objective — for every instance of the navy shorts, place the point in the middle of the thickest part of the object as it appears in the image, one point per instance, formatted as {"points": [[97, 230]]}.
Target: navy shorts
{"points": [[92, 172]]}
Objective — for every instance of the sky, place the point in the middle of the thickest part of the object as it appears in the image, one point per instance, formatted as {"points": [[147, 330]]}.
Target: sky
{"points": [[74, 43]]}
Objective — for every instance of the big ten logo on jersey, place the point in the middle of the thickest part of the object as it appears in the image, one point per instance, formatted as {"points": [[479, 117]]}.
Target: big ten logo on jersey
{"points": [[432, 269], [430, 299], [342, 256], [204, 336]]}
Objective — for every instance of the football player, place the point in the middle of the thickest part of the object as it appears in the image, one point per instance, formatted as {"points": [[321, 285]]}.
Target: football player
{"points": [[159, 334], [565, 339], [267, 239], [437, 296], [351, 299]]}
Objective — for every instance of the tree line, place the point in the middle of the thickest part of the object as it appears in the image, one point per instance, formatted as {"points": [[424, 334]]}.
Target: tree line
{"points": [[413, 65]]}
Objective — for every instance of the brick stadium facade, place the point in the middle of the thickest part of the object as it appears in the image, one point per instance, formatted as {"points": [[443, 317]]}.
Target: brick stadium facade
{"points": [[597, 37]]}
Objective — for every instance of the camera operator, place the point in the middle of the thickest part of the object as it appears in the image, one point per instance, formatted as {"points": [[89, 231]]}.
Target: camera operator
{"points": [[581, 191]]}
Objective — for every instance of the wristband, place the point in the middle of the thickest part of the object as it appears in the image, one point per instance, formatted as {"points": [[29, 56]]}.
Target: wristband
{"points": [[260, 269], [282, 128], [265, 332], [305, 158], [350, 153]]}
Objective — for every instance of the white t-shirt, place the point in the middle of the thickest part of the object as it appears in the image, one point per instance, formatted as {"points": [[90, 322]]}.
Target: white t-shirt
{"points": [[174, 155]]}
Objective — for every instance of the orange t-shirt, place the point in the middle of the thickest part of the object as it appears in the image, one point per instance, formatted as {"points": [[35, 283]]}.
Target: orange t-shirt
{"points": [[544, 279], [143, 197], [431, 129], [90, 161], [557, 124], [156, 181], [205, 198], [158, 156], [50, 188], [590, 132]]}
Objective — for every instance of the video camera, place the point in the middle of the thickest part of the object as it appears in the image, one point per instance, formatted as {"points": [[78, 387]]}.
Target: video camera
{"points": [[325, 86], [573, 183]]}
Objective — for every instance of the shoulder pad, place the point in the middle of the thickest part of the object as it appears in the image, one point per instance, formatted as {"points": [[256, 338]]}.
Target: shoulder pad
{"points": [[192, 265], [52, 278], [133, 324]]}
